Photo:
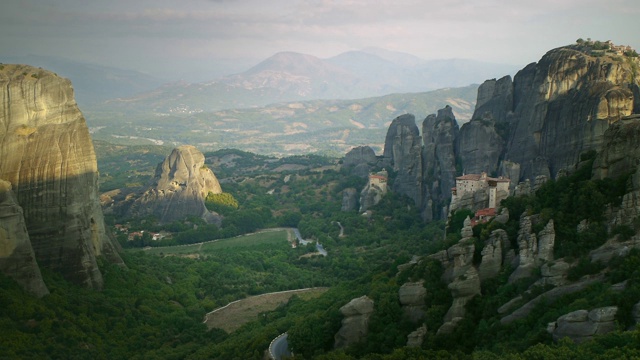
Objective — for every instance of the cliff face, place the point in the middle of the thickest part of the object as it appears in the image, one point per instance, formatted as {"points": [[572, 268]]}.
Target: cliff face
{"points": [[439, 133], [17, 259], [402, 151], [562, 107], [533, 127], [178, 190], [48, 158]]}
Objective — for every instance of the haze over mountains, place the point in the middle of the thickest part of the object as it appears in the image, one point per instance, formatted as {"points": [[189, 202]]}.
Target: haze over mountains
{"points": [[285, 76]]}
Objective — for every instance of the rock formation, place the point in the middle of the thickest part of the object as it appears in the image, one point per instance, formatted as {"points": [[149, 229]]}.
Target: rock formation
{"points": [[373, 192], [439, 133], [532, 128], [495, 100], [460, 275], [411, 296], [492, 254], [17, 259], [178, 190], [582, 325], [562, 107], [619, 152], [355, 325], [349, 199], [532, 250], [479, 146], [48, 157], [402, 152], [416, 338], [360, 160]]}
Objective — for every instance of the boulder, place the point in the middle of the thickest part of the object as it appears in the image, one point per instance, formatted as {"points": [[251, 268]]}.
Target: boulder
{"points": [[416, 338], [355, 325], [582, 325], [411, 296]]}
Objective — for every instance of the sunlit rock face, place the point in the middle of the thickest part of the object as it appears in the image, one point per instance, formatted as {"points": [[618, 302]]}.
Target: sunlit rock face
{"points": [[179, 188], [48, 157], [562, 107]]}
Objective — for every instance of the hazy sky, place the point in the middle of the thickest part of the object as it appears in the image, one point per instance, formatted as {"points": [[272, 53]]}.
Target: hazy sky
{"points": [[173, 38]]}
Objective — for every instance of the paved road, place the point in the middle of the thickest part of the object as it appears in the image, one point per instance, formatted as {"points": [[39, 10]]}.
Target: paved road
{"points": [[279, 347], [302, 241]]}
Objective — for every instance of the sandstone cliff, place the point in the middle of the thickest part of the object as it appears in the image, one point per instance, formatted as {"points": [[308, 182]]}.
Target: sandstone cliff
{"points": [[534, 127], [17, 259], [562, 107], [48, 158], [402, 152], [439, 133], [178, 190]]}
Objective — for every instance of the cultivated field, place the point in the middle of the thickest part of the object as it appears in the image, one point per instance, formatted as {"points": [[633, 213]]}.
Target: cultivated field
{"points": [[231, 317], [267, 236]]}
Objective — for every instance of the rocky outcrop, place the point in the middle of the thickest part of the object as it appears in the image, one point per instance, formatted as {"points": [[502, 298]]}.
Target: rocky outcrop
{"points": [[583, 325], [562, 107], [349, 199], [178, 190], [355, 325], [548, 297], [533, 128], [411, 296], [554, 273], [373, 192], [532, 250], [439, 134], [495, 100], [416, 338], [359, 160], [460, 275], [619, 153], [492, 254], [479, 146], [17, 259], [402, 152], [48, 157]]}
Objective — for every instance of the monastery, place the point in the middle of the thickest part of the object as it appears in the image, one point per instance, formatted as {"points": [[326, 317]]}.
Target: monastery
{"points": [[470, 184]]}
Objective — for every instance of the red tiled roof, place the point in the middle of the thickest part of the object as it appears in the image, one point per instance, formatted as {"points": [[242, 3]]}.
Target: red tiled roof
{"points": [[486, 212]]}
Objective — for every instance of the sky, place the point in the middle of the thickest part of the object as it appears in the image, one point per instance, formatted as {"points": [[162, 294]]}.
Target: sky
{"points": [[191, 38]]}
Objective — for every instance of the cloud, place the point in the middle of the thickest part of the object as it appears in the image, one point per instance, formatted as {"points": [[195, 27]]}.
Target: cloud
{"points": [[144, 30]]}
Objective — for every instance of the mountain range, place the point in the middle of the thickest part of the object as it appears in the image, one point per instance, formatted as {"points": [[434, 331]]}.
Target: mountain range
{"points": [[290, 76], [283, 77]]}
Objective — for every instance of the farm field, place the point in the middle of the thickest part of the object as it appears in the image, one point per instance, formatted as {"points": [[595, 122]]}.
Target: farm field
{"points": [[261, 238], [232, 316]]}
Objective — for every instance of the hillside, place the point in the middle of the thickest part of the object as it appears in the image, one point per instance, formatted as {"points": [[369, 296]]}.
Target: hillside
{"points": [[290, 76], [319, 126]]}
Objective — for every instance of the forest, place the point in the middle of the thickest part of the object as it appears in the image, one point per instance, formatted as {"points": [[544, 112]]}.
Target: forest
{"points": [[154, 308]]}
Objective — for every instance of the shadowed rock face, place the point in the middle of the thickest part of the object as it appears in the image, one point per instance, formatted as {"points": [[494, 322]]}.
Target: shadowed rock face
{"points": [[402, 151], [355, 324], [48, 157], [179, 188], [17, 259]]}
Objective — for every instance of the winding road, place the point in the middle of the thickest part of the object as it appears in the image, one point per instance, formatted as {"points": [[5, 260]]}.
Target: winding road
{"points": [[279, 347]]}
